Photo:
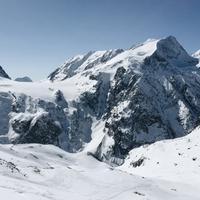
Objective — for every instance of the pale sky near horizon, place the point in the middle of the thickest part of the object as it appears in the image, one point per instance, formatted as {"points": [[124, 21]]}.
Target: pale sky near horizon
{"points": [[37, 36]]}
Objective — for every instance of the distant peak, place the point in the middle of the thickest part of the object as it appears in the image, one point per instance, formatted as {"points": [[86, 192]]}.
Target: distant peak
{"points": [[23, 79], [3, 73]]}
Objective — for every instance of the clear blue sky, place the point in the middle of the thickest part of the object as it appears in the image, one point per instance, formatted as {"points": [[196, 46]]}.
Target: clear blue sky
{"points": [[36, 36]]}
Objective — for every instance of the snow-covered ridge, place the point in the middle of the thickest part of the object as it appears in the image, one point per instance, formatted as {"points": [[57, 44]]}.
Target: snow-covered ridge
{"points": [[103, 60], [80, 63], [108, 61], [197, 55]]}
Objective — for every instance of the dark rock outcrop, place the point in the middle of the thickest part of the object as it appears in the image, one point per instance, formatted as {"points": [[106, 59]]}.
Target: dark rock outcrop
{"points": [[3, 73]]}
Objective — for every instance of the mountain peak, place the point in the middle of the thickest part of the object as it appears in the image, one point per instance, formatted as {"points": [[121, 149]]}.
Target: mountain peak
{"points": [[3, 73], [171, 50]]}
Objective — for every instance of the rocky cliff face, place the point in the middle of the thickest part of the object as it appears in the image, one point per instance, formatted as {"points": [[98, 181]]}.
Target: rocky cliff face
{"points": [[160, 101], [36, 120], [5, 108], [140, 95]]}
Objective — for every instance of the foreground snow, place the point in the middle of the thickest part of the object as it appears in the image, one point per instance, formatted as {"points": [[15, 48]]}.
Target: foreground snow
{"points": [[176, 160], [42, 172]]}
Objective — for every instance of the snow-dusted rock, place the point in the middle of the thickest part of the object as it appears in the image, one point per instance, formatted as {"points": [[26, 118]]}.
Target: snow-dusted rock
{"points": [[39, 128], [36, 121], [5, 109]]}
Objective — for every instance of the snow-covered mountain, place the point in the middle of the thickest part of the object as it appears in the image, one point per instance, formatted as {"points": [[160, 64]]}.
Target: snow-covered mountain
{"points": [[23, 79], [197, 55], [110, 105], [107, 102]]}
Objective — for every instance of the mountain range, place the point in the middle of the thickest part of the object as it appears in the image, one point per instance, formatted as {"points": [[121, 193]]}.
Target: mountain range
{"points": [[135, 109]]}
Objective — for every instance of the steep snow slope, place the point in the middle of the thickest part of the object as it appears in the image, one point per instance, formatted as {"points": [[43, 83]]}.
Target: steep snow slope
{"points": [[45, 172], [197, 55], [176, 160]]}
